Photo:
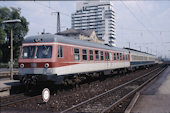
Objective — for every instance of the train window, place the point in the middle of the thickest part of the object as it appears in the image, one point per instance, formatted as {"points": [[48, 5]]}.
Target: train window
{"points": [[107, 55], [76, 54], [44, 52], [97, 54], [101, 55], [84, 54], [114, 54], [145, 58], [28, 52], [123, 56], [135, 57], [111, 56], [91, 54], [60, 51], [118, 58], [126, 57]]}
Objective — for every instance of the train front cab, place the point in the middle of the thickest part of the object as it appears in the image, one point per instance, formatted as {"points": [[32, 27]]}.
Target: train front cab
{"points": [[36, 62]]}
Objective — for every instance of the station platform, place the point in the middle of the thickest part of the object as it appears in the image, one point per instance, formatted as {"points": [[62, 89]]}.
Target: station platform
{"points": [[7, 69], [6, 85], [154, 98]]}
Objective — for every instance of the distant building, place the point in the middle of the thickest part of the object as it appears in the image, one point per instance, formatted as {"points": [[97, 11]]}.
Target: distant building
{"points": [[98, 16], [88, 35]]}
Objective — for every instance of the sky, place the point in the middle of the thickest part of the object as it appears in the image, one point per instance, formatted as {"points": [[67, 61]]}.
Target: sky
{"points": [[144, 25]]}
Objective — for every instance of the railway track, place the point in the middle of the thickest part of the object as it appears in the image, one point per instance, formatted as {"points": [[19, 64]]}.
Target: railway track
{"points": [[14, 99], [23, 97], [108, 100]]}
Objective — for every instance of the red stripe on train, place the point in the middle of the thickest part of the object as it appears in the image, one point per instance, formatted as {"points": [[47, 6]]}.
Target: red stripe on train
{"points": [[41, 65]]}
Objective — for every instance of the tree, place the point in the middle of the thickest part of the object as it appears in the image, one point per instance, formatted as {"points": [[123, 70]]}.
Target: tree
{"points": [[2, 34], [19, 31]]}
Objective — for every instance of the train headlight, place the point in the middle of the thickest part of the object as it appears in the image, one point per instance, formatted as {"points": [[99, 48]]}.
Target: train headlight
{"points": [[21, 65], [46, 65]]}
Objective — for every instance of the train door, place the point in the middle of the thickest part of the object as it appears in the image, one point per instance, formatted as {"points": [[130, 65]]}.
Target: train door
{"points": [[107, 59], [111, 59]]}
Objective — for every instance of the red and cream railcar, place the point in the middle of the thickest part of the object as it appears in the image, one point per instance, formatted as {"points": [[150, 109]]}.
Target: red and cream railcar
{"points": [[51, 57]]}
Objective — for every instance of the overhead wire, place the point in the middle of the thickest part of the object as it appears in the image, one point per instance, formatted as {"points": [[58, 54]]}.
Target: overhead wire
{"points": [[40, 24], [157, 31], [144, 30], [148, 30], [3, 4], [143, 13], [52, 9], [137, 18], [49, 7], [139, 30]]}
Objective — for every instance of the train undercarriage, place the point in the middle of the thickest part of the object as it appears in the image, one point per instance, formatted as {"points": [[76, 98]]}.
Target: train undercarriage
{"points": [[34, 79]]}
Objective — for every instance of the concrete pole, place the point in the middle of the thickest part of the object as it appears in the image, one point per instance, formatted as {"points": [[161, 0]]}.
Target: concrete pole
{"points": [[129, 45], [11, 65], [11, 49]]}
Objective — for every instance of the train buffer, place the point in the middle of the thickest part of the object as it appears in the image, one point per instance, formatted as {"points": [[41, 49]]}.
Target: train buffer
{"points": [[6, 85], [154, 98]]}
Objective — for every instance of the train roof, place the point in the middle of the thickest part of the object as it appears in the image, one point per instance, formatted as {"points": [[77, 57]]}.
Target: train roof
{"points": [[68, 40], [138, 52]]}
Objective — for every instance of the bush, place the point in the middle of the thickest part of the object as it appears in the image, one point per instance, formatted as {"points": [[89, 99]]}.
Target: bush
{"points": [[1, 54]]}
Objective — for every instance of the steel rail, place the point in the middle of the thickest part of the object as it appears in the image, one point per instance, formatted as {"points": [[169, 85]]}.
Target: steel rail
{"points": [[37, 92], [132, 92], [111, 90], [18, 101], [12, 96], [19, 97]]}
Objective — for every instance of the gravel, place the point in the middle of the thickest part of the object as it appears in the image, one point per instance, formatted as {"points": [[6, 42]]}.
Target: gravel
{"points": [[66, 98]]}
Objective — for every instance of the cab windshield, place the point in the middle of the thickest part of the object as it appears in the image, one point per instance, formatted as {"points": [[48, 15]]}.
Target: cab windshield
{"points": [[28, 52], [38, 51], [44, 52]]}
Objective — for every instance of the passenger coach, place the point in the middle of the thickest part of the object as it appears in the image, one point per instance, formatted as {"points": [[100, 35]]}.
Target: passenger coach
{"points": [[47, 56]]}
